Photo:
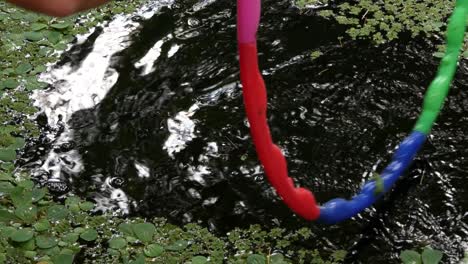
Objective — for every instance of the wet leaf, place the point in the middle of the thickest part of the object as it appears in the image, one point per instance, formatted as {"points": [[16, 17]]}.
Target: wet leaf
{"points": [[87, 206], [6, 187], [72, 200], [51, 251], [28, 245], [38, 26], [62, 25], [6, 216], [64, 259], [89, 235], [10, 83], [153, 250], [30, 254], [23, 68], [45, 242], [39, 69], [70, 238], [144, 231], [33, 36], [7, 166], [139, 260], [256, 259], [42, 225], [20, 196], [7, 154], [410, 257], [431, 256], [117, 243], [6, 231], [199, 260], [27, 185], [57, 212], [5, 176], [277, 259], [22, 235], [27, 213], [54, 36], [38, 194], [126, 229], [178, 246]]}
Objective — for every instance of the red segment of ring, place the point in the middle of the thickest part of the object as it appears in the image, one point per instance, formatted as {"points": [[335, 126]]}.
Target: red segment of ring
{"points": [[300, 200]]}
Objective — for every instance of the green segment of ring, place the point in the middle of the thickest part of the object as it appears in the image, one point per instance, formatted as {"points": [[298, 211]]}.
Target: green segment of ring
{"points": [[440, 86]]}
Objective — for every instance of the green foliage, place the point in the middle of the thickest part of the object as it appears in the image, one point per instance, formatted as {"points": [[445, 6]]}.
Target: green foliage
{"points": [[56, 233], [384, 21], [28, 42], [428, 256]]}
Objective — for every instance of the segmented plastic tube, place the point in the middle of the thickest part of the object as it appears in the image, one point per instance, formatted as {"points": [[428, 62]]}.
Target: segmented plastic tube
{"points": [[300, 200]]}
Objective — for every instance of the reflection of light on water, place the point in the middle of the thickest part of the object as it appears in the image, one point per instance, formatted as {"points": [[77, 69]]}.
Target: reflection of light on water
{"points": [[83, 87], [173, 50], [182, 131], [142, 169], [148, 61], [111, 199], [151, 56], [197, 173]]}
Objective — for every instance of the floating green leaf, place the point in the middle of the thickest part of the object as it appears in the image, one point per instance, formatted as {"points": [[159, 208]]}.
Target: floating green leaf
{"points": [[144, 231], [410, 257], [27, 185], [431, 256], [6, 187], [22, 235], [10, 83], [57, 212], [177, 246], [27, 213], [38, 26], [33, 36], [54, 36], [42, 225], [23, 68], [126, 229], [153, 250], [87, 206], [7, 154], [6, 216], [38, 194], [277, 259], [117, 243], [21, 196], [89, 235], [63, 259], [256, 259], [62, 25], [70, 238], [139, 260], [5, 176], [28, 245], [199, 260], [45, 242], [30, 254]]}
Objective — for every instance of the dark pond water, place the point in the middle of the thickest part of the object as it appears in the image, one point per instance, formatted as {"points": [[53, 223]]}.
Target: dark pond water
{"points": [[152, 124]]}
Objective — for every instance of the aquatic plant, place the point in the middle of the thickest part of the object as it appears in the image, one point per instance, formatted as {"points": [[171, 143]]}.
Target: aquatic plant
{"points": [[428, 256], [28, 42], [36, 229], [384, 21]]}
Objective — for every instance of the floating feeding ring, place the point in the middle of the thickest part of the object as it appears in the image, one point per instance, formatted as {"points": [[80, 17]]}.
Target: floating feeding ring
{"points": [[300, 200]]}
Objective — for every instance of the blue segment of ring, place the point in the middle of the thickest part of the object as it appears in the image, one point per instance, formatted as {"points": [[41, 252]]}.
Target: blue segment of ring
{"points": [[337, 210]]}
